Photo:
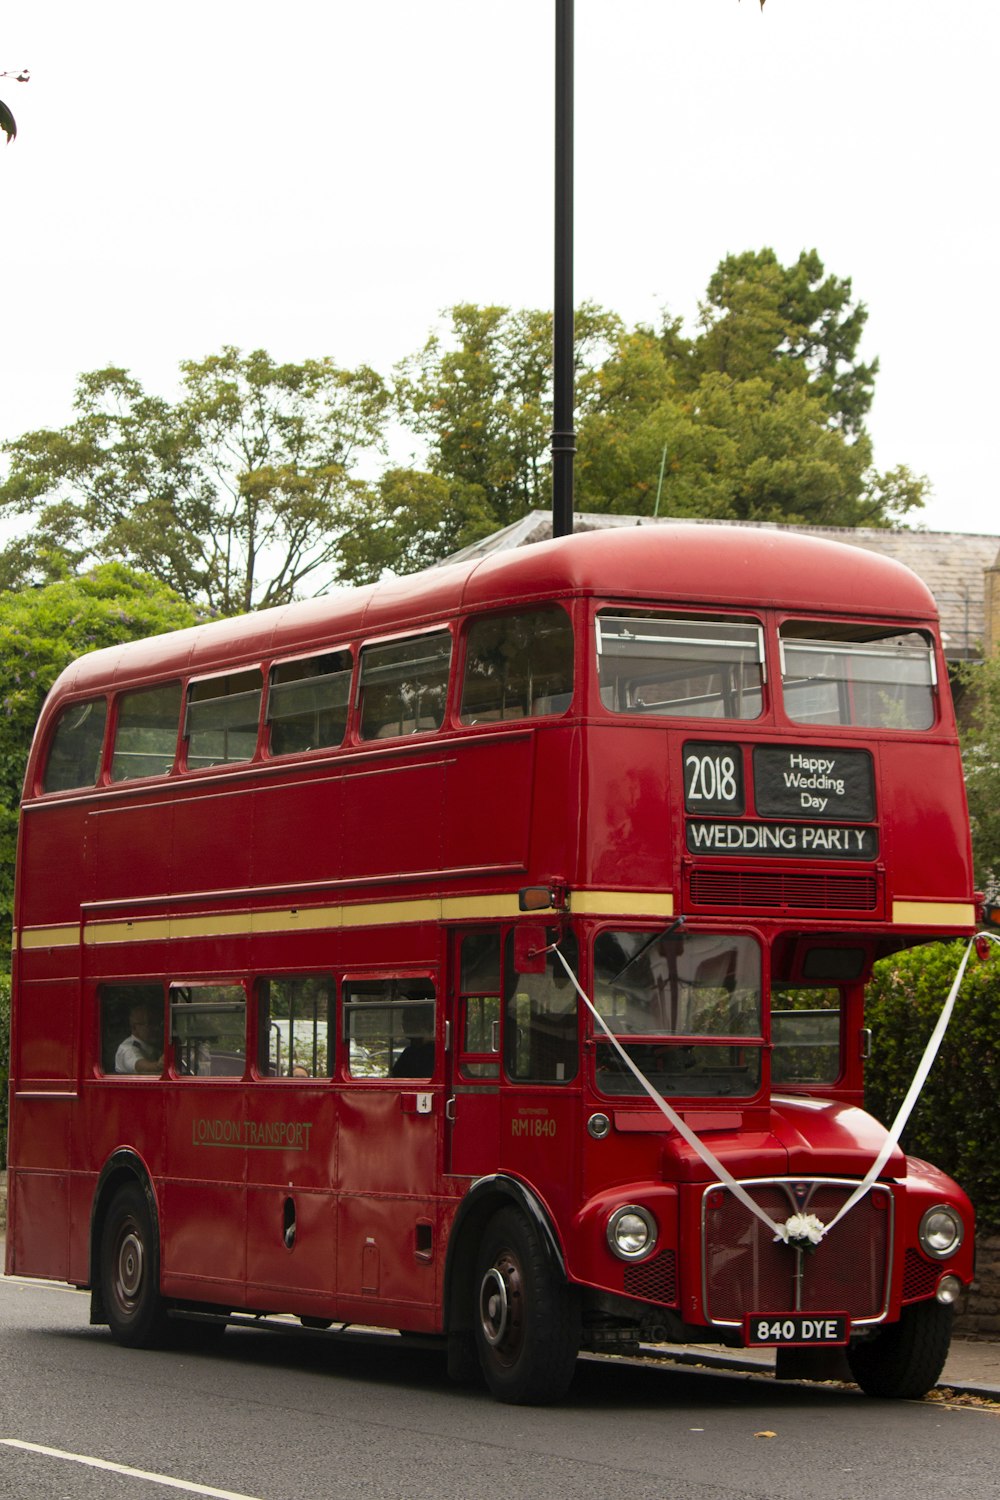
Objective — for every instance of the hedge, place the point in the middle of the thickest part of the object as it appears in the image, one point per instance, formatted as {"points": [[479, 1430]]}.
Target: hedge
{"points": [[956, 1121], [4, 1061]]}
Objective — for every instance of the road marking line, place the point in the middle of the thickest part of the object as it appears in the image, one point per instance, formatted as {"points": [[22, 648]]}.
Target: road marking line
{"points": [[102, 1463]]}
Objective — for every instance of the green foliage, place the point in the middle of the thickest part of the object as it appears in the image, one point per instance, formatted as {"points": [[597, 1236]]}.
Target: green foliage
{"points": [[255, 486], [41, 631], [956, 1121], [4, 1062], [235, 496], [981, 754], [7, 124], [759, 417], [483, 400]]}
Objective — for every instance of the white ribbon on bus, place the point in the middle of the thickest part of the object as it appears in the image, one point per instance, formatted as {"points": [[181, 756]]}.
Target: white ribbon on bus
{"points": [[713, 1163]]}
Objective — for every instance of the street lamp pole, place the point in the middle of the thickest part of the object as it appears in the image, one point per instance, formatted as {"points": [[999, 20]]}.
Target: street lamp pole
{"points": [[563, 434]]}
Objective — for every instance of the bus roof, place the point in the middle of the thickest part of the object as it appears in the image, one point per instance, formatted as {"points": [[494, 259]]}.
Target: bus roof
{"points": [[673, 562]]}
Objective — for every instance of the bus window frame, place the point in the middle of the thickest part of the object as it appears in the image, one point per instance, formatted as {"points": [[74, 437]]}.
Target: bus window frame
{"points": [[892, 624], [290, 757], [218, 767], [704, 614], [115, 718], [483, 615], [42, 763], [261, 1040], [221, 981], [400, 975], [354, 738]]}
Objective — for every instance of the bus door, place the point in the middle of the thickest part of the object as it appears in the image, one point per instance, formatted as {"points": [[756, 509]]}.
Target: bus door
{"points": [[390, 1112], [473, 1108]]}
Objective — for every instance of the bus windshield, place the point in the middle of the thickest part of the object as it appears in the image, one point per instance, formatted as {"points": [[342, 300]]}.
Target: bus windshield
{"points": [[688, 996]]}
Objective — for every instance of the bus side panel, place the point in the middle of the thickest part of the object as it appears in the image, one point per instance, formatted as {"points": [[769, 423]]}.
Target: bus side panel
{"points": [[39, 1187], [389, 1150], [628, 836], [487, 810], [204, 1191], [298, 830], [925, 822], [52, 863], [291, 1207], [132, 850], [394, 815]]}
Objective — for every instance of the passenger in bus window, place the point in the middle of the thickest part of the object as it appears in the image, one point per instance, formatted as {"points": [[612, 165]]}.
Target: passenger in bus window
{"points": [[417, 1058], [141, 1051]]}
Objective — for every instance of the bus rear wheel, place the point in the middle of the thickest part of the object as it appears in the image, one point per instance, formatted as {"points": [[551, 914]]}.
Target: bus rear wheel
{"points": [[526, 1318], [905, 1360], [130, 1271]]}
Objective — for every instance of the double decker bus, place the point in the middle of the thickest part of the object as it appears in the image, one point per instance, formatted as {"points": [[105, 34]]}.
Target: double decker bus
{"points": [[482, 953]]}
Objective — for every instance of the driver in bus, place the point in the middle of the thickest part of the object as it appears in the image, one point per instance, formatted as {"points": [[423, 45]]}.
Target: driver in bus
{"points": [[140, 1052]]}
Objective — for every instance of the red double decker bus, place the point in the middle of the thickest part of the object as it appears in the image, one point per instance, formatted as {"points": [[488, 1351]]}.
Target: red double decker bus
{"points": [[481, 954]]}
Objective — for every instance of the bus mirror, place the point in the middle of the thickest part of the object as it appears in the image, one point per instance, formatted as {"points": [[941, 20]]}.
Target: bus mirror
{"points": [[530, 956]]}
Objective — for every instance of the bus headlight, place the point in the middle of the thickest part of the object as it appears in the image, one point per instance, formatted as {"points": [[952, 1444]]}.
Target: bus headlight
{"points": [[632, 1232], [941, 1231]]}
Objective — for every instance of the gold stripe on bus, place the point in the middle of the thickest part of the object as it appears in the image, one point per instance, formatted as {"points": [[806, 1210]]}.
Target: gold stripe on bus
{"points": [[49, 937], [327, 918], [622, 903], [934, 913]]}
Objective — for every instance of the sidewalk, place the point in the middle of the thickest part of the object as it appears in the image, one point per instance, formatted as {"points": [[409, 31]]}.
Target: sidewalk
{"points": [[972, 1367]]}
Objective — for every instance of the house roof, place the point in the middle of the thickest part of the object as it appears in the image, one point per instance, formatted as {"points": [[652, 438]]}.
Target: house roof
{"points": [[951, 563]]}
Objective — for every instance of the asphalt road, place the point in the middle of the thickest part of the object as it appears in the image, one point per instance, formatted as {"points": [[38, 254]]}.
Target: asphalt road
{"points": [[276, 1418]]}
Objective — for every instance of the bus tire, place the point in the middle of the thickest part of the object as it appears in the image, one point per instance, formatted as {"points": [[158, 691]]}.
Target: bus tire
{"points": [[905, 1360], [526, 1318], [130, 1272]]}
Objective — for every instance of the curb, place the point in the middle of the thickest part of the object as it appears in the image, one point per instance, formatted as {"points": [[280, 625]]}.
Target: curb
{"points": [[735, 1364]]}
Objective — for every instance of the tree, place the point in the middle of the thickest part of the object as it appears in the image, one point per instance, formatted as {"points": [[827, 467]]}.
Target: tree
{"points": [[412, 519], [792, 325], [236, 496], [755, 441], [981, 754], [41, 631], [7, 124], [482, 398]]}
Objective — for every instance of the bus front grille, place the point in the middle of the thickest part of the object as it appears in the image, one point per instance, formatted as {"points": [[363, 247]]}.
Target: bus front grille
{"points": [[654, 1280], [746, 1271], [766, 888]]}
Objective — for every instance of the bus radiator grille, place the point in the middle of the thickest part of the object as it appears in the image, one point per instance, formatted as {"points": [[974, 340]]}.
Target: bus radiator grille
{"points": [[920, 1278], [654, 1281], [764, 888], [747, 1271]]}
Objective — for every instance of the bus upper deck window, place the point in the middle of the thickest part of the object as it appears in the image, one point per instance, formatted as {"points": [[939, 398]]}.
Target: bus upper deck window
{"points": [[146, 734], [680, 667], [866, 675], [518, 666], [74, 758], [221, 724], [404, 686], [307, 703]]}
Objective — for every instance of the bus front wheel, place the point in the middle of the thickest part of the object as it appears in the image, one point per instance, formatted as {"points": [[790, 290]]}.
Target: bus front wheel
{"points": [[526, 1318], [905, 1360], [130, 1271]]}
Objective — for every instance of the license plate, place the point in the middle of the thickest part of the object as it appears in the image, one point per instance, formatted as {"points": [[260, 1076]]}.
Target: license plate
{"points": [[770, 1329]]}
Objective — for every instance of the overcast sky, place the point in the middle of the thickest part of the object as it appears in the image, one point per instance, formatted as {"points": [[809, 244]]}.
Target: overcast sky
{"points": [[324, 177]]}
